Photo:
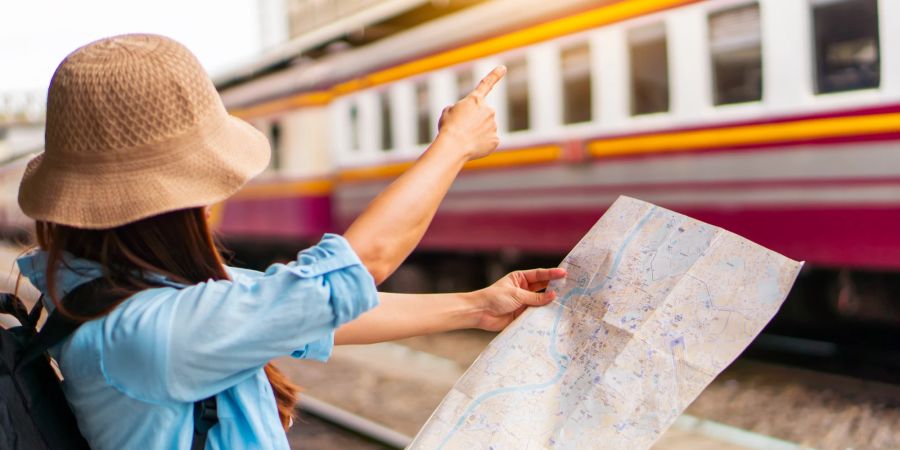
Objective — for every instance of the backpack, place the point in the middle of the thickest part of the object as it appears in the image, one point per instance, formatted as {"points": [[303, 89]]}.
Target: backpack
{"points": [[34, 413]]}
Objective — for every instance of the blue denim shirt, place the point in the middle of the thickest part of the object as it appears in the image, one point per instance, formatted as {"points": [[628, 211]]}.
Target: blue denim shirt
{"points": [[132, 376]]}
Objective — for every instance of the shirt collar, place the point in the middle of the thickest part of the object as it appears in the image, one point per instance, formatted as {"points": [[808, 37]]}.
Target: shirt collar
{"points": [[73, 272]]}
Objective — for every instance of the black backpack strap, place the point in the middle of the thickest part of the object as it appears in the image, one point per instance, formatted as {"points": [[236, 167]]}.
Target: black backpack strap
{"points": [[206, 416], [58, 326], [12, 305], [55, 330]]}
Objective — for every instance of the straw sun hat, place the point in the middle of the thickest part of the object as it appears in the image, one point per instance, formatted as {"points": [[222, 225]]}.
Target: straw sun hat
{"points": [[136, 128]]}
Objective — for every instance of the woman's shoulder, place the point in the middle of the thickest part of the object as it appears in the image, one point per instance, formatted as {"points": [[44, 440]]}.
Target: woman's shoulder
{"points": [[142, 309], [126, 349]]}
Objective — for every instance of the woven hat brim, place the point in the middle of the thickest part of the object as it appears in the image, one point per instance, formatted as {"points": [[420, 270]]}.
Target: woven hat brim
{"points": [[205, 170]]}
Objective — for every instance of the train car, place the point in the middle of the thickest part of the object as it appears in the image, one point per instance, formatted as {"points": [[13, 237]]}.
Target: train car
{"points": [[776, 119]]}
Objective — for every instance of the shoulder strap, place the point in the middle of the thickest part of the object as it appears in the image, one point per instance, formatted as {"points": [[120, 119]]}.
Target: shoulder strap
{"points": [[12, 305], [58, 327], [206, 416]]}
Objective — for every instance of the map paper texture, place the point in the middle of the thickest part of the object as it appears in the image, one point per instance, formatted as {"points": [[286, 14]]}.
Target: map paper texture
{"points": [[654, 306]]}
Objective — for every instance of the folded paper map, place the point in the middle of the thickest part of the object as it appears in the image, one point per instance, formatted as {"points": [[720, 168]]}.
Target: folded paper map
{"points": [[654, 306]]}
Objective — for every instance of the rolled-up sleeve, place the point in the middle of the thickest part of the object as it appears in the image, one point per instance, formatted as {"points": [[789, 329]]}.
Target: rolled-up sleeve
{"points": [[222, 331]]}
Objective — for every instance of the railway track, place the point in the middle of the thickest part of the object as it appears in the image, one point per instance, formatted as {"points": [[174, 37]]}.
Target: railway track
{"points": [[688, 433], [313, 432], [326, 418]]}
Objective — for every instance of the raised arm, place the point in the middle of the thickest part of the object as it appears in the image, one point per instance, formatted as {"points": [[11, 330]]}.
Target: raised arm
{"points": [[393, 224]]}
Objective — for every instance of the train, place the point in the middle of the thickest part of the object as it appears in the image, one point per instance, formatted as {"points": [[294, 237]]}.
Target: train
{"points": [[778, 120]]}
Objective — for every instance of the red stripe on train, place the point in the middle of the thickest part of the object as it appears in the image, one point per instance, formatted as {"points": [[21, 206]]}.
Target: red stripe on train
{"points": [[846, 236], [300, 218]]}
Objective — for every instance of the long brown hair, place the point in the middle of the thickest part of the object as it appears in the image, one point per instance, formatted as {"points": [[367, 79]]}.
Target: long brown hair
{"points": [[177, 245]]}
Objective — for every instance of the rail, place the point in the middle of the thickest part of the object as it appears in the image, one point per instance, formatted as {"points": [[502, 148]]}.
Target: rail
{"points": [[686, 424], [354, 423]]}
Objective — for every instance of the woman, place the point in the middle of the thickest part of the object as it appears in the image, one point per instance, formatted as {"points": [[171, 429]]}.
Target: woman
{"points": [[138, 144]]}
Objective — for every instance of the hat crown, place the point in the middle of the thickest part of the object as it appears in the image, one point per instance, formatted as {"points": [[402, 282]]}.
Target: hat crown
{"points": [[125, 93], [136, 128]]}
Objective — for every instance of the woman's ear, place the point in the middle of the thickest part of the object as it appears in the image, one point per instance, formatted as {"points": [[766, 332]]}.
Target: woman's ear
{"points": [[207, 211]]}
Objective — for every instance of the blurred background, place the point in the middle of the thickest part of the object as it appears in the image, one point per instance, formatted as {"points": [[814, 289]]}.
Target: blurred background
{"points": [[778, 120]]}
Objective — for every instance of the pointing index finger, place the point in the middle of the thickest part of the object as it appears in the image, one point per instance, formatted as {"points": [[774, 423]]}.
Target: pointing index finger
{"points": [[487, 83]]}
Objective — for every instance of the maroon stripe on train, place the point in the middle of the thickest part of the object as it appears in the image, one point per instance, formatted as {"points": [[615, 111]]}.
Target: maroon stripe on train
{"points": [[302, 218], [859, 237], [848, 236]]}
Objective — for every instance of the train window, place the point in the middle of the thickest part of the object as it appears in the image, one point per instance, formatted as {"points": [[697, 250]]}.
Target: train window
{"points": [[354, 127], [847, 47], [423, 116], [735, 45], [387, 128], [465, 82], [576, 76], [648, 51], [517, 94], [275, 144]]}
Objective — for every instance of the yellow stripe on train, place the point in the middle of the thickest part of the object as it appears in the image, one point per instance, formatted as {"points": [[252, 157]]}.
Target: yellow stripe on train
{"points": [[598, 17], [746, 135], [518, 157], [314, 98], [262, 190], [324, 186], [594, 18]]}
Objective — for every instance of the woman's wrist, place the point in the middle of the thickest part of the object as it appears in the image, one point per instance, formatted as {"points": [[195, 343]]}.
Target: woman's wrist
{"points": [[449, 141], [473, 308]]}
